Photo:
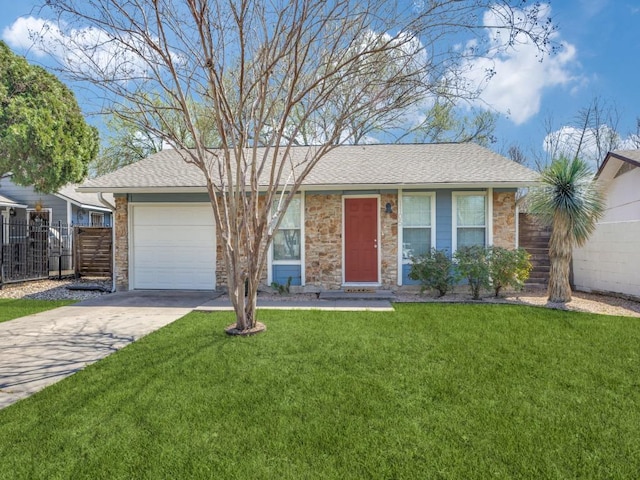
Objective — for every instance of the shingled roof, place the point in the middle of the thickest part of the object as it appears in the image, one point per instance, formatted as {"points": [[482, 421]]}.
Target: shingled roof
{"points": [[352, 166]]}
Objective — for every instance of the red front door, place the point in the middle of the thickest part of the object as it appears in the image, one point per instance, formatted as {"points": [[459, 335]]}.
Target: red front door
{"points": [[361, 240]]}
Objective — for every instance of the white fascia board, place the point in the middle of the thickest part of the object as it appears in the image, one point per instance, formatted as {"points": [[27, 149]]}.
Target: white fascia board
{"points": [[85, 206], [311, 188]]}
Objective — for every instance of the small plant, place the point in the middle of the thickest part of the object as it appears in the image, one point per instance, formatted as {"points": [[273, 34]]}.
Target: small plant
{"points": [[282, 289], [473, 264], [433, 270], [508, 268]]}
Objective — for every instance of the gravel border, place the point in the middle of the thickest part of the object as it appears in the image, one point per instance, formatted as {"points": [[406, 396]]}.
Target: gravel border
{"points": [[57, 289], [580, 301]]}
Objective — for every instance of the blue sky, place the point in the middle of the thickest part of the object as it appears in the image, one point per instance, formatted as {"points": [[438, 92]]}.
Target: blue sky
{"points": [[600, 57]]}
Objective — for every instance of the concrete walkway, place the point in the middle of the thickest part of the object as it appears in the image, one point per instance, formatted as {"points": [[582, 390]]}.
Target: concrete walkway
{"points": [[287, 303], [39, 350]]}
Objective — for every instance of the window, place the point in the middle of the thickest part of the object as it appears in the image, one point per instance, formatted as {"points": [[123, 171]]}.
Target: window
{"points": [[287, 241], [417, 225], [97, 219], [470, 219], [39, 217]]}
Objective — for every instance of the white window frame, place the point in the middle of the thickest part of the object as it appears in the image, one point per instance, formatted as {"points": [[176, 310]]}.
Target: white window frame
{"points": [[401, 227], [271, 262], [48, 210], [401, 260], [488, 222], [100, 215]]}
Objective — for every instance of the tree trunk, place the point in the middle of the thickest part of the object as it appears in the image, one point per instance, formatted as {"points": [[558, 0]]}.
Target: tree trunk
{"points": [[560, 249], [243, 282]]}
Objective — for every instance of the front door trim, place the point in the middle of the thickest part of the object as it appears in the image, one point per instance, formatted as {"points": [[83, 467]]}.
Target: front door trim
{"points": [[379, 249]]}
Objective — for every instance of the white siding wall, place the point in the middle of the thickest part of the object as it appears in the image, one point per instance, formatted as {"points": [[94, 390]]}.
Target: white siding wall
{"points": [[623, 198], [610, 261]]}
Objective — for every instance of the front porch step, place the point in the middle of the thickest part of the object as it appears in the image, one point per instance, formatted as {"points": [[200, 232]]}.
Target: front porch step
{"points": [[354, 294]]}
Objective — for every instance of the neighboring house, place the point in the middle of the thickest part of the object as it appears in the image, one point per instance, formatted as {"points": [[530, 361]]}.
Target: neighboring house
{"points": [[610, 260], [65, 206], [361, 214]]}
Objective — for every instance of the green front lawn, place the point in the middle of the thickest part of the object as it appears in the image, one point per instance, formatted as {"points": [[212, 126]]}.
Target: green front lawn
{"points": [[15, 308], [429, 391]]}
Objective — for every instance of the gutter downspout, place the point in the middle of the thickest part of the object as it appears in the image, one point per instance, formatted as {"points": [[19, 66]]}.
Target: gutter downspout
{"points": [[113, 239], [105, 203]]}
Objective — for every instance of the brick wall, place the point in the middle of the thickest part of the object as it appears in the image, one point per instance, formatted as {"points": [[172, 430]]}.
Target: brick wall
{"points": [[221, 269], [504, 223], [323, 240], [389, 240], [121, 226]]}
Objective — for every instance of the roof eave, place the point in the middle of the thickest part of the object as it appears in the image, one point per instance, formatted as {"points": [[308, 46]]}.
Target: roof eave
{"points": [[12, 205], [86, 206], [608, 158], [324, 187]]}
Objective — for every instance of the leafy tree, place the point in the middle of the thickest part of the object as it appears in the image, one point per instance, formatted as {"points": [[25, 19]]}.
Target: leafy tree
{"points": [[570, 202], [44, 139], [267, 73], [129, 143], [443, 122], [126, 145]]}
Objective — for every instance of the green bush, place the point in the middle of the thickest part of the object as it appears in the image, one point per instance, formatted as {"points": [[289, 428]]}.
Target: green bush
{"points": [[282, 289], [434, 270], [472, 263], [508, 268]]}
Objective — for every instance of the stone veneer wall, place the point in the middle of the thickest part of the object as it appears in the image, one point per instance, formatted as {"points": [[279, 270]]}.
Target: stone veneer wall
{"points": [[323, 241], [389, 240], [504, 219], [221, 268], [121, 226]]}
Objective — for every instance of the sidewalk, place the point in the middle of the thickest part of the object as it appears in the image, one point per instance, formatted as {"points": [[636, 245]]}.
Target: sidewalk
{"points": [[287, 303]]}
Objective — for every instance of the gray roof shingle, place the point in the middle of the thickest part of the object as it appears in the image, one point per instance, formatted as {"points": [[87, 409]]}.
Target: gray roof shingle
{"points": [[83, 198], [354, 165]]}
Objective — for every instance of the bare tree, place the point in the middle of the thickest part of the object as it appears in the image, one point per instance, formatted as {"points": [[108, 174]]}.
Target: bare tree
{"points": [[516, 154], [590, 135], [268, 74]]}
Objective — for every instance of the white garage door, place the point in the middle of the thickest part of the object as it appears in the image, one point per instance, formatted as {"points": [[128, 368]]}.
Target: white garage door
{"points": [[174, 246]]}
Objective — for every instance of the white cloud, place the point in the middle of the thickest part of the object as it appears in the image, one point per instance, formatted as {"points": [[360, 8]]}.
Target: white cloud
{"points": [[89, 51], [593, 143], [22, 34], [520, 77]]}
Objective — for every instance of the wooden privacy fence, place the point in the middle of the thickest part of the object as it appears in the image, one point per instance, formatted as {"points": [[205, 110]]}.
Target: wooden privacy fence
{"points": [[93, 251]]}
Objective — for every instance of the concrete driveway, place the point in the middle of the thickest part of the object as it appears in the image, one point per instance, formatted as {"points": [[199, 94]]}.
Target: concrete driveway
{"points": [[41, 349]]}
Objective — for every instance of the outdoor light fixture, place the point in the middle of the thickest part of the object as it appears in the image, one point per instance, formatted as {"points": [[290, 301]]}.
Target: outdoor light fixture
{"points": [[387, 208], [38, 206], [12, 212]]}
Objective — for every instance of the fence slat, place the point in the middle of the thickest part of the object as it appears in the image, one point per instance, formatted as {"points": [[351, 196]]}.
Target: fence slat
{"points": [[93, 251]]}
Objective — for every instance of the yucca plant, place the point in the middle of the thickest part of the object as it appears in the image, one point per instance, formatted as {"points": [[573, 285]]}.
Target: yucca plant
{"points": [[570, 202]]}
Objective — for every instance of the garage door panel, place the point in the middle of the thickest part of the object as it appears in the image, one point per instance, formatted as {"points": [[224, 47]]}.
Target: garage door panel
{"points": [[185, 237], [173, 247], [171, 216]]}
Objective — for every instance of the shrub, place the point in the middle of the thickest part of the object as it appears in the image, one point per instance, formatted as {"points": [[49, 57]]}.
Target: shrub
{"points": [[508, 268], [473, 264], [282, 289], [434, 270]]}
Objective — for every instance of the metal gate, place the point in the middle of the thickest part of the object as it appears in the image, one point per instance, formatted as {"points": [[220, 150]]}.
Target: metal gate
{"points": [[61, 249], [24, 251]]}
